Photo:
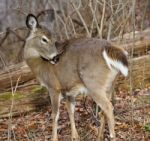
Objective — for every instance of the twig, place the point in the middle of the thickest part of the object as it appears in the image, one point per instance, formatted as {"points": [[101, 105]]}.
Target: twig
{"points": [[5, 37], [102, 19], [18, 10], [65, 26], [143, 17], [94, 17], [19, 37], [8, 31], [74, 30], [91, 112], [11, 109], [131, 63]]}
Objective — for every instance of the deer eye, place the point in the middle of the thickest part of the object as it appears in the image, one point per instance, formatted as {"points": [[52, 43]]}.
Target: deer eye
{"points": [[44, 40]]}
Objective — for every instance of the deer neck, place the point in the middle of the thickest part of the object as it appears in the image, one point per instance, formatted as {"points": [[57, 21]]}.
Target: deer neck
{"points": [[44, 71]]}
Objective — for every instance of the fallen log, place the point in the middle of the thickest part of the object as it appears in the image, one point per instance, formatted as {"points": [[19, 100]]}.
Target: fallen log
{"points": [[139, 74], [140, 42], [25, 100], [10, 75], [20, 102]]}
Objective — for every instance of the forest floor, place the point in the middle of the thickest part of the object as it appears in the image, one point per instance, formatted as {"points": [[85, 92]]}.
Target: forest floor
{"points": [[132, 116]]}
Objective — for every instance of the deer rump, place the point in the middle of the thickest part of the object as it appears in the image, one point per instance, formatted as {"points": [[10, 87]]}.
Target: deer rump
{"points": [[114, 56]]}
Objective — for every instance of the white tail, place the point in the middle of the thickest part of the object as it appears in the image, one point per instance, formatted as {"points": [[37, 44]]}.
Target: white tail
{"points": [[116, 64]]}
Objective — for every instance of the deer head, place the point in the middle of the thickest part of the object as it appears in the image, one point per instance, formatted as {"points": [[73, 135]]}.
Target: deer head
{"points": [[40, 42]]}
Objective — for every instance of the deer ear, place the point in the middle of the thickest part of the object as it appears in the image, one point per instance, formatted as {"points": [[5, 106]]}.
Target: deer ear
{"points": [[31, 21]]}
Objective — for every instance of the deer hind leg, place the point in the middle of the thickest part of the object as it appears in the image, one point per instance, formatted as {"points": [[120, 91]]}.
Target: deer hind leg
{"points": [[70, 104], [100, 136], [99, 95], [55, 101], [106, 106], [102, 116], [102, 127]]}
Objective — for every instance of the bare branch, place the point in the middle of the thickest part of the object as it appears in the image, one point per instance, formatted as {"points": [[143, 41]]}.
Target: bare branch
{"points": [[80, 16]]}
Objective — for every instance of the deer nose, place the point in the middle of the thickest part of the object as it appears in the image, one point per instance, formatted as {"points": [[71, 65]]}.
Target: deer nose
{"points": [[55, 59]]}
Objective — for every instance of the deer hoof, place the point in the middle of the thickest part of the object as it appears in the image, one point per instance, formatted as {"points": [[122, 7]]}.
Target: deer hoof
{"points": [[76, 138]]}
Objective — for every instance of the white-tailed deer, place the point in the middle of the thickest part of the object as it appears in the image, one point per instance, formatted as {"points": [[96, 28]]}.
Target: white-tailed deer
{"points": [[85, 65]]}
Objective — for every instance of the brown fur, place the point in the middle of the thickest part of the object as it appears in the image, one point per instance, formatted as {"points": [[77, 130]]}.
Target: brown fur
{"points": [[81, 69], [116, 53]]}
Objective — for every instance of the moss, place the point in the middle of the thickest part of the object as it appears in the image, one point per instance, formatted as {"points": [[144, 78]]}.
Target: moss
{"points": [[20, 95], [39, 89], [147, 127], [9, 96]]}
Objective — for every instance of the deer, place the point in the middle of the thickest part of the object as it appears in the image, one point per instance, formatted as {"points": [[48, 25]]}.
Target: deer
{"points": [[79, 66]]}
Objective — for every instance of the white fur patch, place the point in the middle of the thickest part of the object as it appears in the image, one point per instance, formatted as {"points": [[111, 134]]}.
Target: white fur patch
{"points": [[111, 136], [79, 89], [52, 55], [46, 39], [116, 64], [83, 90], [126, 53], [52, 62], [32, 22]]}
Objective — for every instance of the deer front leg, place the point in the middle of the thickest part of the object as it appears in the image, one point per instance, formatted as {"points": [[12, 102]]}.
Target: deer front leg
{"points": [[70, 104], [55, 101]]}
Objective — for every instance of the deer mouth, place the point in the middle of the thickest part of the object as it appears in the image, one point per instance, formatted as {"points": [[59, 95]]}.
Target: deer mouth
{"points": [[53, 60]]}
